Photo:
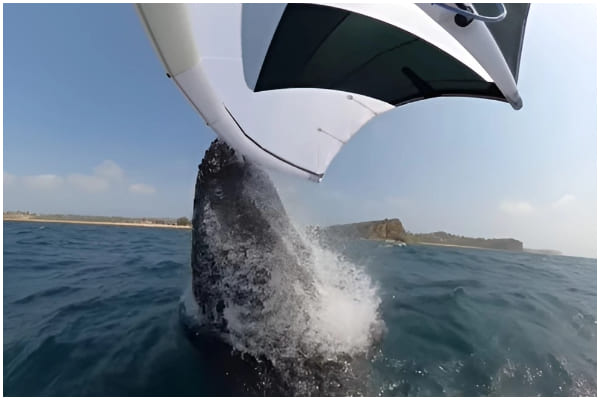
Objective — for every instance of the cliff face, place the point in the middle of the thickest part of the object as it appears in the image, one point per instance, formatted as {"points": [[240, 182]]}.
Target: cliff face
{"points": [[387, 229]]}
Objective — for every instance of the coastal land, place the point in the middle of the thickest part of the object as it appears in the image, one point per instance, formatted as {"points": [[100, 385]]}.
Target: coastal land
{"points": [[172, 223], [392, 230], [388, 230]]}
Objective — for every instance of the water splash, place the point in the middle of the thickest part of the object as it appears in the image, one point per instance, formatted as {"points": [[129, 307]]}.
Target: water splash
{"points": [[316, 338], [271, 292]]}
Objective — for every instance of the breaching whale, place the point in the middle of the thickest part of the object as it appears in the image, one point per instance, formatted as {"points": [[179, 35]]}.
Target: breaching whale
{"points": [[240, 232], [256, 286]]}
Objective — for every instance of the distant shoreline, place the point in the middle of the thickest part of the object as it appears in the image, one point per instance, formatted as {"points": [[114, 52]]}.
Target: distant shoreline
{"points": [[463, 247], [526, 251], [440, 244], [65, 221]]}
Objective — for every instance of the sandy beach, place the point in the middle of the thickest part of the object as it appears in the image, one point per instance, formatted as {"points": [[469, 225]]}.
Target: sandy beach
{"points": [[456, 245], [451, 245], [53, 221]]}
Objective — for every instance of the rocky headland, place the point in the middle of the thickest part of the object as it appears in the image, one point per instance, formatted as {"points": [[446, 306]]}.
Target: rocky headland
{"points": [[393, 230]]}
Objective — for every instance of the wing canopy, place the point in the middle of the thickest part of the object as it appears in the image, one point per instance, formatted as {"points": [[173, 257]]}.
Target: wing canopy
{"points": [[330, 48], [287, 85]]}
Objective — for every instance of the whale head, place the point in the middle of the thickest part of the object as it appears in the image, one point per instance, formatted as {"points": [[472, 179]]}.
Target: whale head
{"points": [[258, 286]]}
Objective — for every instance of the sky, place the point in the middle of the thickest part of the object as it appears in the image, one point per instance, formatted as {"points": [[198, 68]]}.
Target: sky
{"points": [[93, 126]]}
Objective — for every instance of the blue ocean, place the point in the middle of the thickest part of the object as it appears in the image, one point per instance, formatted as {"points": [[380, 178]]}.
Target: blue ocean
{"points": [[96, 310]]}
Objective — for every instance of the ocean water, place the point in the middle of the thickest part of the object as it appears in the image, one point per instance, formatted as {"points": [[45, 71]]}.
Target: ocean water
{"points": [[96, 310]]}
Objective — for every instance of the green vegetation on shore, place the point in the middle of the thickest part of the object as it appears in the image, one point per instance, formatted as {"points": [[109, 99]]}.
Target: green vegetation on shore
{"points": [[26, 215], [456, 240]]}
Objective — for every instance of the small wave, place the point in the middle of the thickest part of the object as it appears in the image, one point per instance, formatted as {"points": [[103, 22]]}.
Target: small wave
{"points": [[133, 260], [165, 265], [58, 291], [552, 378], [66, 263], [36, 242], [87, 272], [450, 283]]}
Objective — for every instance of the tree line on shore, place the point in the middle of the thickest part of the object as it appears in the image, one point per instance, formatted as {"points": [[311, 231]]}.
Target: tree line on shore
{"points": [[181, 221]]}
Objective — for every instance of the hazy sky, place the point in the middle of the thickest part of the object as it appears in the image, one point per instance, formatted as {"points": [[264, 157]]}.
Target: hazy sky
{"points": [[93, 126]]}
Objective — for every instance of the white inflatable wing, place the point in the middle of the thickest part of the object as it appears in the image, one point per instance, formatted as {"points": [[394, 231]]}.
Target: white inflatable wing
{"points": [[287, 85]]}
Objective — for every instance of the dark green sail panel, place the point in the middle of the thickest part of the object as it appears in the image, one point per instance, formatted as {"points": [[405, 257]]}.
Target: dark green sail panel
{"points": [[325, 47]]}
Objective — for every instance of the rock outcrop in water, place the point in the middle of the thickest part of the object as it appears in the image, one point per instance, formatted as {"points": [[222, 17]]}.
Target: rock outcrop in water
{"points": [[259, 288]]}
